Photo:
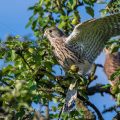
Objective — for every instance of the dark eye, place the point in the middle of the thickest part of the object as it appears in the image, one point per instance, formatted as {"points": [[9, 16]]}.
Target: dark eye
{"points": [[50, 31]]}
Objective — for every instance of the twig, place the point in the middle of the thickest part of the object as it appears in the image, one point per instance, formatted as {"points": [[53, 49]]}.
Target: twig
{"points": [[87, 103], [91, 105], [110, 109], [50, 90], [47, 111], [26, 62], [60, 112], [99, 88], [75, 7], [92, 75], [19, 52], [5, 83]]}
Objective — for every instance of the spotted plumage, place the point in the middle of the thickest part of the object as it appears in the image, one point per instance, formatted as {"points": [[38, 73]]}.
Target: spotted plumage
{"points": [[85, 43], [82, 46]]}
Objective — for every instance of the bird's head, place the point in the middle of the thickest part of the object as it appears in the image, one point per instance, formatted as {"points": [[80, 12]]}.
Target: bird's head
{"points": [[53, 32]]}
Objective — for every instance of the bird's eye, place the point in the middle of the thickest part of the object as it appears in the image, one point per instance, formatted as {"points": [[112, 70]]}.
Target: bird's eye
{"points": [[50, 31]]}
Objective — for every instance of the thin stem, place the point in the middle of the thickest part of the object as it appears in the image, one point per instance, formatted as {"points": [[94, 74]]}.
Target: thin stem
{"points": [[99, 88], [47, 111], [21, 55], [91, 105]]}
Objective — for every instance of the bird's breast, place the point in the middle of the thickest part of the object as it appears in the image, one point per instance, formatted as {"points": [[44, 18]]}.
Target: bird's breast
{"points": [[66, 58]]}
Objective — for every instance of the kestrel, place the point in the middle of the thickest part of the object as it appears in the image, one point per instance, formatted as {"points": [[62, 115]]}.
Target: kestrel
{"points": [[82, 47], [85, 43]]}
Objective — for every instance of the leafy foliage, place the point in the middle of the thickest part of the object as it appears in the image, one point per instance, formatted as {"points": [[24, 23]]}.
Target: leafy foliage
{"points": [[28, 75], [112, 7]]}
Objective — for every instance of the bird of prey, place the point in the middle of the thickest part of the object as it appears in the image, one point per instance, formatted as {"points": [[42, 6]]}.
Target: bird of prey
{"points": [[85, 43], [112, 63], [82, 46]]}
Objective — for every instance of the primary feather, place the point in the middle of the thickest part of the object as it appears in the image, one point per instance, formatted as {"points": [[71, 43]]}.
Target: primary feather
{"points": [[85, 43], [91, 36]]}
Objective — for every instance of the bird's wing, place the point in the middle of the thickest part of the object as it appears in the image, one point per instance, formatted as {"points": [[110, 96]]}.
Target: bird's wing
{"points": [[88, 39]]}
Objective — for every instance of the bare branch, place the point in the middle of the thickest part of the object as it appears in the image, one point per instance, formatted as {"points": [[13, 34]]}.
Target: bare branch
{"points": [[99, 88]]}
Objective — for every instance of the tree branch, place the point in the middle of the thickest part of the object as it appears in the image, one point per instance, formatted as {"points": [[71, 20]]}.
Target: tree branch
{"points": [[47, 111], [26, 62], [110, 109], [99, 88], [47, 90], [87, 103], [19, 52], [91, 105]]}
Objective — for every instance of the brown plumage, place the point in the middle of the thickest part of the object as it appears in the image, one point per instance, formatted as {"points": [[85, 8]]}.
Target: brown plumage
{"points": [[112, 63], [82, 46], [85, 43]]}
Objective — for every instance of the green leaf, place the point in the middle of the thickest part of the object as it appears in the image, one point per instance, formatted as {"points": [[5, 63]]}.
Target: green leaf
{"points": [[115, 74], [115, 49], [89, 2], [54, 108], [34, 24], [13, 55], [103, 12], [90, 11], [28, 24], [41, 2], [30, 21], [71, 2], [118, 98]]}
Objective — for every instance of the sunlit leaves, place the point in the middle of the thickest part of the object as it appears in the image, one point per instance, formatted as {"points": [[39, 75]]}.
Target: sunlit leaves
{"points": [[103, 12], [22, 60], [112, 7]]}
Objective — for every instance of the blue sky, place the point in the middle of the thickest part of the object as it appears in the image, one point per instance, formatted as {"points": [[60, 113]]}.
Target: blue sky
{"points": [[13, 18]]}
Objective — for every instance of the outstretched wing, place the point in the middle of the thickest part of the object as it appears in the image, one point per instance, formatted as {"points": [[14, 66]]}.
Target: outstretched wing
{"points": [[88, 39]]}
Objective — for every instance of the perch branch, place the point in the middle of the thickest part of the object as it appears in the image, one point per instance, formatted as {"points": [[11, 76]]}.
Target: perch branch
{"points": [[99, 88], [91, 105]]}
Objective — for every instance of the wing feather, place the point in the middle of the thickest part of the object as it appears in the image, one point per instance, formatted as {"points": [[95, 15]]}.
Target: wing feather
{"points": [[91, 36]]}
